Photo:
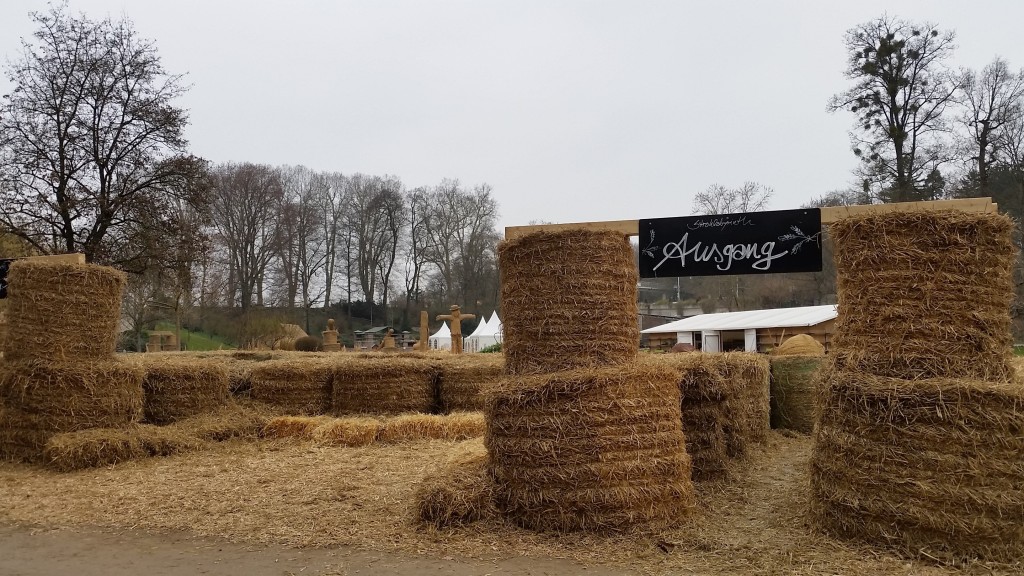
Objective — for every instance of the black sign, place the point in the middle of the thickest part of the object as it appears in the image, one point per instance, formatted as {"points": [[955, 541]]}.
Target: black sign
{"points": [[5, 265], [755, 243]]}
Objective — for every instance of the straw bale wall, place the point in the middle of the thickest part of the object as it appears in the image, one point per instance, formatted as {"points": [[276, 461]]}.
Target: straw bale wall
{"points": [[62, 311], [387, 384], [179, 389], [463, 379], [40, 399], [292, 386], [925, 295], [590, 449], [568, 301], [793, 379], [920, 427]]}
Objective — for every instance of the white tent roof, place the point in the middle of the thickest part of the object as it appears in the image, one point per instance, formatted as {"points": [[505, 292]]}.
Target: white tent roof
{"points": [[776, 318], [492, 327], [443, 332], [481, 328]]}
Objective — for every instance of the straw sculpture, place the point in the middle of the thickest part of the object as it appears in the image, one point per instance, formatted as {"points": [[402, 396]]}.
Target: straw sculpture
{"points": [[920, 416], [589, 449], [928, 466], [179, 389], [385, 385], [925, 295], [463, 379], [297, 387], [457, 492], [568, 301], [793, 379], [62, 311], [43, 398], [800, 345]]}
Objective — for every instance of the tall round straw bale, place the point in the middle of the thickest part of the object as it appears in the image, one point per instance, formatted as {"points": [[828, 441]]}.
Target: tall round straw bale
{"points": [[296, 387], [464, 377], [930, 467], [925, 295], [793, 380], [45, 398], [568, 301], [589, 449], [800, 345], [62, 311], [384, 385], [179, 389]]}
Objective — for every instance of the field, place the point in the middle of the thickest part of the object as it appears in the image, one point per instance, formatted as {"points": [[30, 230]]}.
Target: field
{"points": [[296, 494]]}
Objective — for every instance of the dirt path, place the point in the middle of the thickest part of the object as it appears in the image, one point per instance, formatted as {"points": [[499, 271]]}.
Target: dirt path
{"points": [[97, 552]]}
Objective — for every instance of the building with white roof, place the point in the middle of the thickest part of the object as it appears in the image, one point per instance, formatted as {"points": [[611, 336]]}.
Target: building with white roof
{"points": [[752, 330]]}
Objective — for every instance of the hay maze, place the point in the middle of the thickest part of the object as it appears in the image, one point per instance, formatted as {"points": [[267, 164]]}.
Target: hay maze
{"points": [[662, 463]]}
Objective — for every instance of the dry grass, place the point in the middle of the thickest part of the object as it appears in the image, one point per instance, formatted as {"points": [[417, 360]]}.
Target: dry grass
{"points": [[306, 495]]}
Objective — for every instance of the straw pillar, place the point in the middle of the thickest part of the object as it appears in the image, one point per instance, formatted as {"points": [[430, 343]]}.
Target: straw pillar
{"points": [[920, 424], [580, 435], [60, 374]]}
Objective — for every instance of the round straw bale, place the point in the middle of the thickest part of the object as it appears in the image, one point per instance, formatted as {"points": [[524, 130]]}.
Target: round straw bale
{"points": [[308, 344], [683, 347], [62, 311], [295, 387], [459, 491], [568, 300], [589, 449], [925, 295], [800, 345], [384, 384], [793, 380], [929, 467], [183, 388], [463, 378]]}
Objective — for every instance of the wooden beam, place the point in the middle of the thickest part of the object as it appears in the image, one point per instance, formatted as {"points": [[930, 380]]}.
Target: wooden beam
{"points": [[828, 215]]}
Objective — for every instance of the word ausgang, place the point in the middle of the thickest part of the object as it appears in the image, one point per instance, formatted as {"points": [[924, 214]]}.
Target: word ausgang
{"points": [[724, 256]]}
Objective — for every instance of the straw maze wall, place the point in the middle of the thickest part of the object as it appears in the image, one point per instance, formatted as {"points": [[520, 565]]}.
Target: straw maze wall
{"points": [[920, 415]]}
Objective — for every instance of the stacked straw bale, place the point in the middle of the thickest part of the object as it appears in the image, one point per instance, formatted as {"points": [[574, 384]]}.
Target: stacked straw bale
{"points": [[920, 425], [384, 385], [793, 379], [463, 379], [459, 491], [725, 406], [176, 389], [60, 374], [580, 434], [568, 301], [293, 386], [800, 345]]}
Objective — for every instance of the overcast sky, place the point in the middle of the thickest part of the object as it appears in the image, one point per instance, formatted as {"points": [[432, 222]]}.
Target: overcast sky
{"points": [[571, 111]]}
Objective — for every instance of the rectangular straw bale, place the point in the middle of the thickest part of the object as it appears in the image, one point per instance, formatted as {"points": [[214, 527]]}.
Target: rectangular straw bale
{"points": [[45, 398], [178, 389], [293, 386], [348, 431], [407, 427], [62, 311], [107, 446], [236, 420], [301, 427], [463, 379], [387, 385]]}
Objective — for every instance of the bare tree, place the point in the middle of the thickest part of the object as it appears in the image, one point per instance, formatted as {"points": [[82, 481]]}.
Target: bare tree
{"points": [[993, 101], [717, 199], [332, 215], [900, 93], [89, 137], [414, 251], [375, 221], [243, 208]]}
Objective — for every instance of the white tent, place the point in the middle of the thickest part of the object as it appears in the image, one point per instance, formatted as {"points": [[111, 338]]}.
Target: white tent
{"points": [[442, 339], [488, 333]]}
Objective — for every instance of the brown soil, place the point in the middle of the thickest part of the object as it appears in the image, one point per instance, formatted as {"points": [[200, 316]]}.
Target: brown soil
{"points": [[248, 504]]}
